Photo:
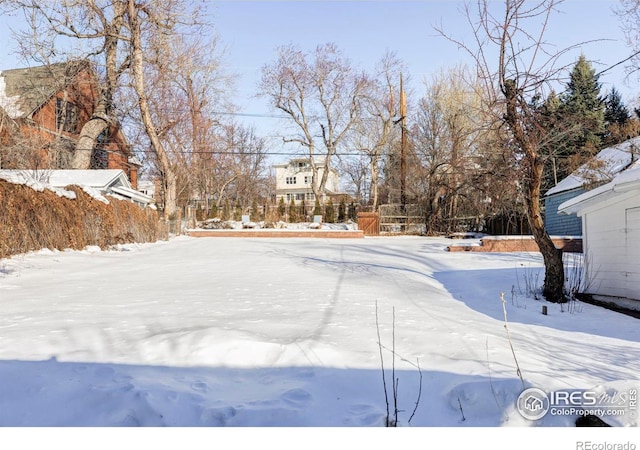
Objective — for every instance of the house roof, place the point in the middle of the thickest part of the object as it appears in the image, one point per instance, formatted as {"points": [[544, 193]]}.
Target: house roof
{"points": [[625, 182], [5, 120], [106, 181], [601, 168], [302, 159], [98, 179], [23, 91]]}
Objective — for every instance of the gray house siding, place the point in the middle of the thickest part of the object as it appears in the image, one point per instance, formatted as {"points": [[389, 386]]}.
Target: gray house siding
{"points": [[561, 224]]}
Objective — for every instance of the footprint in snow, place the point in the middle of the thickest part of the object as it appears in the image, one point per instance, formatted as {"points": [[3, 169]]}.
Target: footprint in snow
{"points": [[217, 416], [297, 397], [199, 386], [364, 415]]}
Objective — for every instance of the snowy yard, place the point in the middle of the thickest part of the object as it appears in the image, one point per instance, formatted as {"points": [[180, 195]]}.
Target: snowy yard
{"points": [[282, 332]]}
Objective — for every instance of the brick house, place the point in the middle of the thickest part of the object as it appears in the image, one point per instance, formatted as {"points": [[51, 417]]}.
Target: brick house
{"points": [[44, 108]]}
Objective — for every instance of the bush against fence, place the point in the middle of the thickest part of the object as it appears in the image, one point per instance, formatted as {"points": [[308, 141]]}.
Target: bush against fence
{"points": [[32, 220]]}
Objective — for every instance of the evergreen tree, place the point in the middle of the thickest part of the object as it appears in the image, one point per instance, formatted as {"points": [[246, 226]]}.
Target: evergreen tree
{"points": [[226, 210], [293, 213], [342, 210], [584, 103], [583, 108], [551, 119], [199, 213], [618, 120], [282, 209], [615, 110], [213, 212], [353, 212], [255, 213], [237, 214], [329, 213]]}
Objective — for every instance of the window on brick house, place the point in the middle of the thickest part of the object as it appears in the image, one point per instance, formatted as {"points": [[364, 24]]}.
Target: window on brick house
{"points": [[99, 155], [66, 116]]}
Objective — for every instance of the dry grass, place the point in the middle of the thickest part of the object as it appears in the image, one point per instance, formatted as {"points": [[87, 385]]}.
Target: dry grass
{"points": [[31, 220]]}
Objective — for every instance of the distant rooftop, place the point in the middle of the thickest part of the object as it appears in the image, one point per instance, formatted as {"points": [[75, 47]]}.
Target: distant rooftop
{"points": [[603, 167]]}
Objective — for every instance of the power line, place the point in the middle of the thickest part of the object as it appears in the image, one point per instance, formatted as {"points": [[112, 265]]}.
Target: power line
{"points": [[243, 153], [617, 64], [244, 114]]}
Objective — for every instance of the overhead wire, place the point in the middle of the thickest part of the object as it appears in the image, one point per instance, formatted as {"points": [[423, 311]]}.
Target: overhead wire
{"points": [[279, 116]]}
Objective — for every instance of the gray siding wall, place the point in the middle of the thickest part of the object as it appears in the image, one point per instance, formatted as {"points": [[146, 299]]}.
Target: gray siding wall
{"points": [[561, 224]]}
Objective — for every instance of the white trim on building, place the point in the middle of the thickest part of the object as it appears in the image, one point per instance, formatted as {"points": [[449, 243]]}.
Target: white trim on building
{"points": [[611, 239], [293, 181]]}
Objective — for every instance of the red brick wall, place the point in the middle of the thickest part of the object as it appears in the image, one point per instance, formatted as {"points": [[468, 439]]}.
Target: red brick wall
{"points": [[523, 244]]}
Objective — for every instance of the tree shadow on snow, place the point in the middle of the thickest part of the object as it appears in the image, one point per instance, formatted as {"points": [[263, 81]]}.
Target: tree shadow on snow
{"points": [[481, 291], [57, 394]]}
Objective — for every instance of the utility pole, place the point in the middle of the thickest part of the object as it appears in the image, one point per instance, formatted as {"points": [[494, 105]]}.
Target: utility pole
{"points": [[403, 145]]}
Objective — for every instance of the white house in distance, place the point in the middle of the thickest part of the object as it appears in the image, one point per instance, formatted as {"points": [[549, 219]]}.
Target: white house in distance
{"points": [[293, 181], [610, 217]]}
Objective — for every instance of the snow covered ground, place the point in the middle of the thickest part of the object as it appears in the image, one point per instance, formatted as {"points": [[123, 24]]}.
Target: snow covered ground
{"points": [[261, 332]]}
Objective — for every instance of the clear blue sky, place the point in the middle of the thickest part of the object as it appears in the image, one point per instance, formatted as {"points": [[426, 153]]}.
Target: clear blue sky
{"points": [[364, 30]]}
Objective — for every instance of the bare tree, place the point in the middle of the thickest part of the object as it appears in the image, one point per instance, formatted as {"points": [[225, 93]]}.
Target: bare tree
{"points": [[629, 13], [96, 23], [238, 166], [378, 128], [522, 70], [133, 38], [447, 143], [185, 84], [321, 94], [149, 23], [357, 169]]}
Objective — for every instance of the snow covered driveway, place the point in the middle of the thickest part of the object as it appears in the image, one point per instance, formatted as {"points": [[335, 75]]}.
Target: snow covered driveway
{"points": [[282, 332]]}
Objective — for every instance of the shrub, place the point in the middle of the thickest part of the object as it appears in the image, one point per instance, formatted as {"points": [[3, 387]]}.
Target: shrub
{"points": [[282, 209], [33, 220], [342, 210], [329, 213], [293, 211]]}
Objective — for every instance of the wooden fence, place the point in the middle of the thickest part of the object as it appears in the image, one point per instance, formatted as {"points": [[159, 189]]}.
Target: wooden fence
{"points": [[369, 223], [401, 219]]}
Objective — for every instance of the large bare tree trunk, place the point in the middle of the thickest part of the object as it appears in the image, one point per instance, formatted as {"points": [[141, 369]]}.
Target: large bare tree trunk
{"points": [[553, 287], [101, 119], [88, 137], [137, 68], [375, 177], [519, 75]]}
